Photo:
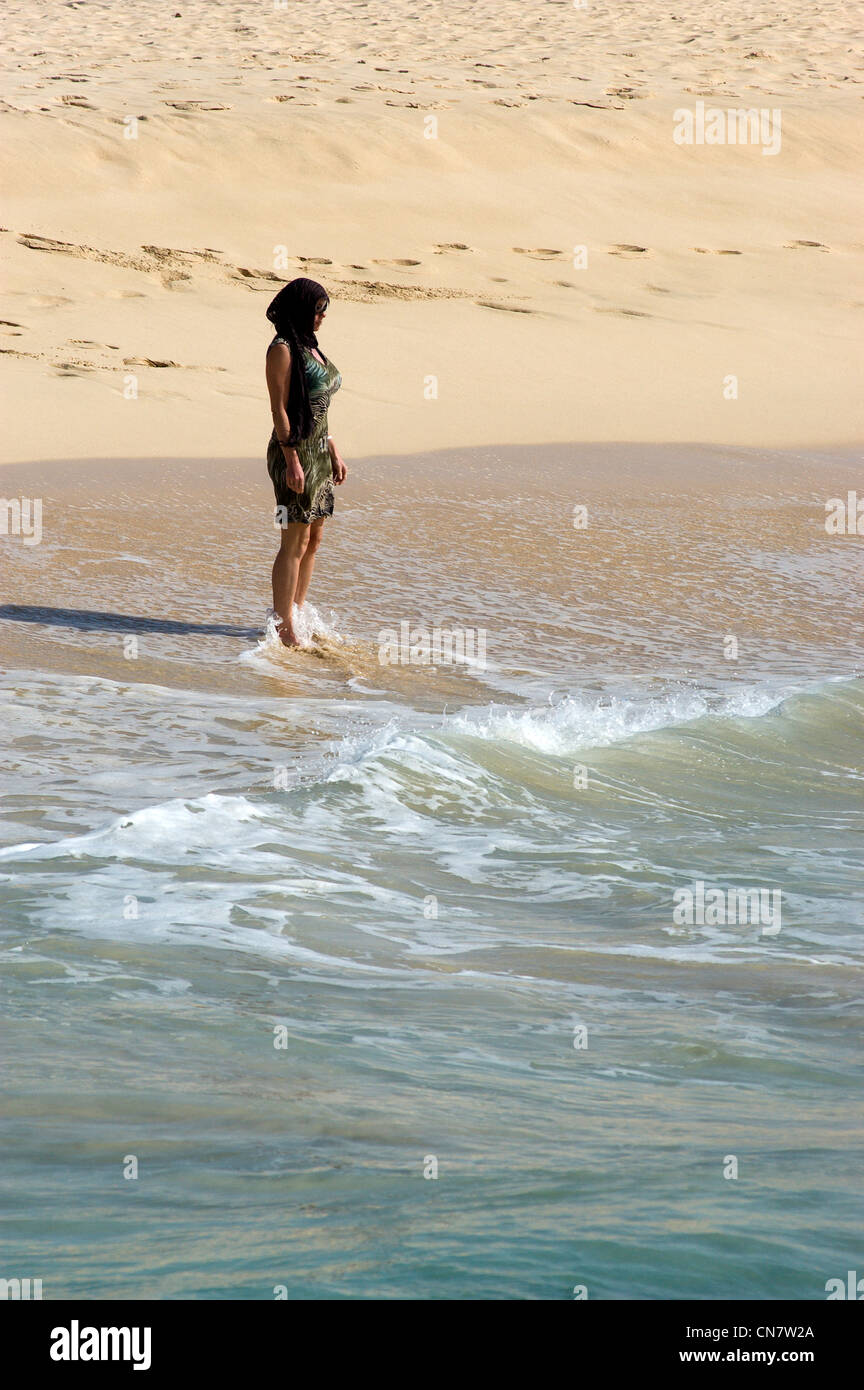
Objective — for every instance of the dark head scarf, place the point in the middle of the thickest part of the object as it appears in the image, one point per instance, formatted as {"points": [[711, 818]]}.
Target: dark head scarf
{"points": [[292, 314]]}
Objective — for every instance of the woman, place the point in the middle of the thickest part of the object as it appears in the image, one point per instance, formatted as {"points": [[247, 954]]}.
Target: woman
{"points": [[302, 459]]}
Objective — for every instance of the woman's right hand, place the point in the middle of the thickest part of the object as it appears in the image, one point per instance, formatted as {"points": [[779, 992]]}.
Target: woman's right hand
{"points": [[294, 475]]}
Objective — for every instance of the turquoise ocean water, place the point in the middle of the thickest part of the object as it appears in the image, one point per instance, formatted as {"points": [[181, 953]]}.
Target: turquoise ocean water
{"points": [[295, 938]]}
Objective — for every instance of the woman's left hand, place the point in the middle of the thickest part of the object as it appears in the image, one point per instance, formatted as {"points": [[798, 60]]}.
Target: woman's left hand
{"points": [[340, 472]]}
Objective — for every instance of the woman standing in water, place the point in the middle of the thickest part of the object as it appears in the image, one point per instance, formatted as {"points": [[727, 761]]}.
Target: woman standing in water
{"points": [[302, 459]]}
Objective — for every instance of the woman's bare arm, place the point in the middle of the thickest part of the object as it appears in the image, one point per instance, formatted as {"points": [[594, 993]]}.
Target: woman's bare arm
{"points": [[337, 463], [278, 383]]}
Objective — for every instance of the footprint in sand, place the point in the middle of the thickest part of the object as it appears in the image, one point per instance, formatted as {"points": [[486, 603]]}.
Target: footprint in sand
{"points": [[147, 362], [148, 263], [537, 253], [417, 105], [197, 105], [165, 362], [46, 243], [816, 245], [712, 251], [48, 301], [368, 291], [625, 249], [244, 273], [450, 246], [509, 308], [89, 343], [177, 253], [628, 313], [398, 262]]}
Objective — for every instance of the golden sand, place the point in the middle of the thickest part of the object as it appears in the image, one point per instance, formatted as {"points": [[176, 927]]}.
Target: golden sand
{"points": [[516, 247]]}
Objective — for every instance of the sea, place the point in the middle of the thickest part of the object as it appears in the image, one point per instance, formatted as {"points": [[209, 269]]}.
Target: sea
{"points": [[503, 942]]}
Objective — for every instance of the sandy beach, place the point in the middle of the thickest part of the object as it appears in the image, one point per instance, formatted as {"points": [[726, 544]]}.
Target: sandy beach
{"points": [[517, 248]]}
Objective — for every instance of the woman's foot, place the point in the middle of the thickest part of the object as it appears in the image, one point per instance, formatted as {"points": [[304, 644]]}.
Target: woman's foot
{"points": [[287, 636]]}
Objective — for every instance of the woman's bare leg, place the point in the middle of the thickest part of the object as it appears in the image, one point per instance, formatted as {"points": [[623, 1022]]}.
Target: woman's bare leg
{"points": [[286, 572], [307, 564]]}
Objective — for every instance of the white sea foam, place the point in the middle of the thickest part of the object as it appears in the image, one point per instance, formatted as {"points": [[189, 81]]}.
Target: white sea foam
{"points": [[446, 804], [181, 826], [580, 721], [309, 624]]}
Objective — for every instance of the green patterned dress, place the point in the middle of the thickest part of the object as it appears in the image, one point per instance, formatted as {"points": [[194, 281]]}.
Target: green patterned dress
{"points": [[316, 499]]}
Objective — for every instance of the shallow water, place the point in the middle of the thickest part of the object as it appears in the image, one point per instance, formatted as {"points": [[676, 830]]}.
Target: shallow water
{"points": [[423, 884]]}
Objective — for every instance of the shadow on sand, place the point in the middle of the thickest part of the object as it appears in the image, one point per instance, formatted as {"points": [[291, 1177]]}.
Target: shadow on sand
{"points": [[87, 620]]}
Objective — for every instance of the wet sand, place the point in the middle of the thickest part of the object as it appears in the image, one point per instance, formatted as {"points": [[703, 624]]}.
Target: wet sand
{"points": [[681, 547]]}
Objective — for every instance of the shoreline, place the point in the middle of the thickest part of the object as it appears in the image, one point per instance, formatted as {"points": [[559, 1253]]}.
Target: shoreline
{"points": [[638, 558], [841, 451]]}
